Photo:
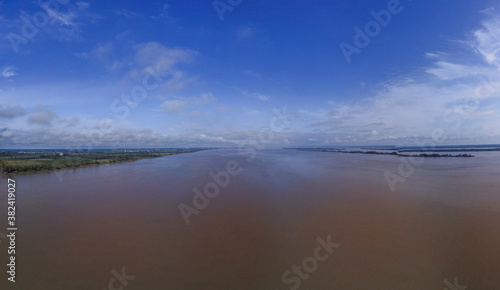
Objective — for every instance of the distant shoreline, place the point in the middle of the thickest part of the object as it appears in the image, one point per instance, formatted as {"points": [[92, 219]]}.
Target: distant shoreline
{"points": [[20, 162], [395, 153]]}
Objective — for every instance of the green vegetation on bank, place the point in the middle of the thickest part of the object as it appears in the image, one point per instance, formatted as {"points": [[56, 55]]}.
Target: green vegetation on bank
{"points": [[12, 161], [395, 153]]}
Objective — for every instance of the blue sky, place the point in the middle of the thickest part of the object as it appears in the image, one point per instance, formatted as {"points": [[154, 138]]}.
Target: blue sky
{"points": [[214, 73]]}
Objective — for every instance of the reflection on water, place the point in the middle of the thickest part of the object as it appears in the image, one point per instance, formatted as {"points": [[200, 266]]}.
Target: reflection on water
{"points": [[441, 223]]}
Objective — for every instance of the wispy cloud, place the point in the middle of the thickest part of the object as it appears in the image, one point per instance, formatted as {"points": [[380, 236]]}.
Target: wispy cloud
{"points": [[153, 55], [82, 5], [263, 97], [65, 21], [180, 104], [127, 13], [8, 72], [487, 41], [258, 96], [435, 54], [252, 73], [104, 53], [164, 12], [67, 18], [246, 31], [449, 71], [173, 106], [100, 52]]}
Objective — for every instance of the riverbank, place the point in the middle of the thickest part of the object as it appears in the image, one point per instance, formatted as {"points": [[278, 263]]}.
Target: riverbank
{"points": [[394, 153], [35, 161]]}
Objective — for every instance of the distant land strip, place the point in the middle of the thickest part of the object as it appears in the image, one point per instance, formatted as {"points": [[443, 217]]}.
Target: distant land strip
{"points": [[25, 161], [395, 153]]}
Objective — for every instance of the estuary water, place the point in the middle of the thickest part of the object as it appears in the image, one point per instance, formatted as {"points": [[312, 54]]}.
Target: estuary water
{"points": [[83, 228]]}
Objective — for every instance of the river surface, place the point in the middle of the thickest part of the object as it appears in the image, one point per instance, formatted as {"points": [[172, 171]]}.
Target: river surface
{"points": [[78, 229]]}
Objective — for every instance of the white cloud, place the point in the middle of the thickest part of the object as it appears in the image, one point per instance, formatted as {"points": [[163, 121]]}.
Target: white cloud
{"points": [[67, 18], [245, 32], [448, 71], [173, 106], [105, 124], [252, 73], [461, 99], [104, 53], [488, 11], [153, 53], [400, 111], [180, 104], [63, 22], [6, 133], [257, 96], [100, 52], [435, 54], [11, 112], [82, 5], [164, 61], [263, 97], [42, 116], [164, 12], [127, 13], [8, 72], [115, 137], [487, 40], [204, 98], [72, 122]]}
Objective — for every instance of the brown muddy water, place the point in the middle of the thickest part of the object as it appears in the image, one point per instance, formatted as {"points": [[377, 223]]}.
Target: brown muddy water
{"points": [[288, 220]]}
